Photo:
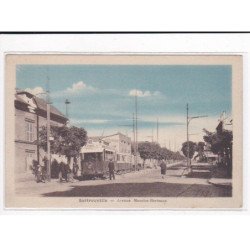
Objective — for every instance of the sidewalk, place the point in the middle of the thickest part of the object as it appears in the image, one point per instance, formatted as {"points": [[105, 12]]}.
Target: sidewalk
{"points": [[205, 173], [220, 177]]}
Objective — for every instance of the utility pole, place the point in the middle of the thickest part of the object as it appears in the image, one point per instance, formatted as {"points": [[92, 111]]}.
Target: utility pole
{"points": [[48, 131], [134, 139], [136, 130], [189, 118], [157, 135], [48, 139], [38, 154], [187, 141]]}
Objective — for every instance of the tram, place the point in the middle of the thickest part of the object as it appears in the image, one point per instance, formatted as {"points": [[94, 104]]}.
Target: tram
{"points": [[95, 157], [94, 160]]}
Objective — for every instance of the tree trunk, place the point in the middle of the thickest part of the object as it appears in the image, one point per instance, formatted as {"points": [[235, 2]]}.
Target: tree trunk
{"points": [[70, 162], [228, 162]]}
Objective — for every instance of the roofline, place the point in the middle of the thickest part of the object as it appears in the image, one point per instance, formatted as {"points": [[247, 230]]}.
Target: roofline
{"points": [[41, 113], [118, 133], [24, 92], [34, 98], [95, 138]]}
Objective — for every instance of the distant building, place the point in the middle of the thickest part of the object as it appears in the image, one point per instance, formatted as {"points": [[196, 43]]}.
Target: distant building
{"points": [[97, 145], [122, 145], [30, 115], [210, 156]]}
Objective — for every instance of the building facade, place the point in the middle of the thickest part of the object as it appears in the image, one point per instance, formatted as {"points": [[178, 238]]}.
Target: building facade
{"points": [[30, 115], [122, 145]]}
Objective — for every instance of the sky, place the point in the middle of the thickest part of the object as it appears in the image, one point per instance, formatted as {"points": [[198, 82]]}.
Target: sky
{"points": [[103, 97]]}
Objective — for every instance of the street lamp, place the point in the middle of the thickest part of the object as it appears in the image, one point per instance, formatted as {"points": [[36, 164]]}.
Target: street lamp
{"points": [[189, 119], [67, 102]]}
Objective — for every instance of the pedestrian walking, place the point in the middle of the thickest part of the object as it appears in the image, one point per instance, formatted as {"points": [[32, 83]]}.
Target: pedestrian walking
{"points": [[163, 167], [111, 167]]}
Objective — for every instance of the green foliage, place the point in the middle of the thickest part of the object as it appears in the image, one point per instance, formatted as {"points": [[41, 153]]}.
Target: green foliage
{"points": [[200, 146], [150, 150], [200, 149], [219, 141], [155, 151], [145, 151], [177, 156], [166, 154], [55, 169], [66, 140], [192, 148]]}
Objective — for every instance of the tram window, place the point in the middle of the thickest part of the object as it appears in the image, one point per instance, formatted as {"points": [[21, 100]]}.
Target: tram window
{"points": [[99, 156], [89, 157], [93, 157]]}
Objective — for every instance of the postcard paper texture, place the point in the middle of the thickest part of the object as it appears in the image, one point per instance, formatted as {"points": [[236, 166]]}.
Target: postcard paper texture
{"points": [[123, 131]]}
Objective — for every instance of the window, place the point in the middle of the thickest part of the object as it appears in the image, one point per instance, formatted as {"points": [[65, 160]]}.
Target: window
{"points": [[29, 131]]}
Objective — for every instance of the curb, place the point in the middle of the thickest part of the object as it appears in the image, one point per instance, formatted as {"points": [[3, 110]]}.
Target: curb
{"points": [[224, 184]]}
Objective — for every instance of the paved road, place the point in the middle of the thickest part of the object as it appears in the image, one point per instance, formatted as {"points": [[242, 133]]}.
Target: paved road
{"points": [[145, 183]]}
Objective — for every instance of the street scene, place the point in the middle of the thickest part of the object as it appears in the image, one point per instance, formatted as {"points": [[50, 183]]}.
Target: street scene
{"points": [[146, 183], [123, 131]]}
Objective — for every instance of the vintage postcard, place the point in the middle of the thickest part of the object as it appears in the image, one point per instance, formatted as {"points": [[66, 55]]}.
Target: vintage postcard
{"points": [[110, 131]]}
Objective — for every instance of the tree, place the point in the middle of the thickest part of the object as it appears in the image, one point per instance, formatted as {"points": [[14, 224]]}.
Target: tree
{"points": [[200, 149], [72, 140], [166, 154], [66, 140], [155, 151], [178, 156], [192, 149], [221, 144], [151, 150], [144, 149]]}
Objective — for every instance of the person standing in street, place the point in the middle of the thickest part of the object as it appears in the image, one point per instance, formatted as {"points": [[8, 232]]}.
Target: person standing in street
{"points": [[111, 167], [163, 167]]}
